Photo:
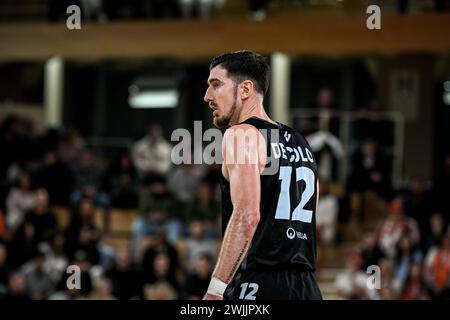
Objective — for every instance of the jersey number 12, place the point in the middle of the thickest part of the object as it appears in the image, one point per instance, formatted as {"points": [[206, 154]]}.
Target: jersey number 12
{"points": [[284, 200]]}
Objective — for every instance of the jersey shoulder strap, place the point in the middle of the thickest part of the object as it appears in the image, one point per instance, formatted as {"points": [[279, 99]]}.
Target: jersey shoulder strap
{"points": [[261, 124]]}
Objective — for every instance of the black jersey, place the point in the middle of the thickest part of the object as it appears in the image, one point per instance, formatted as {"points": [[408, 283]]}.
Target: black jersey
{"points": [[285, 238]]}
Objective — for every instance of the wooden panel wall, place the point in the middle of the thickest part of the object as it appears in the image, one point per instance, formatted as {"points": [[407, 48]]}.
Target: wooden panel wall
{"points": [[314, 34]]}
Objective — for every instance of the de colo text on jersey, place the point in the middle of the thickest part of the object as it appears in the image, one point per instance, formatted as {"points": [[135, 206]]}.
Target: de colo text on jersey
{"points": [[293, 154]]}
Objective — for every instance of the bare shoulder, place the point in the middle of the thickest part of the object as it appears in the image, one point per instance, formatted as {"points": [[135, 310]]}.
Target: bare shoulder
{"points": [[244, 144], [240, 129]]}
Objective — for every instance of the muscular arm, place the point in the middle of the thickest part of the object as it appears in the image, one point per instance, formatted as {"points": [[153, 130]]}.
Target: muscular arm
{"points": [[243, 221], [245, 195]]}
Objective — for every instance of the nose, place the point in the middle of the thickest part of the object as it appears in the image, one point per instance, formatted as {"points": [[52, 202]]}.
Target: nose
{"points": [[207, 97]]}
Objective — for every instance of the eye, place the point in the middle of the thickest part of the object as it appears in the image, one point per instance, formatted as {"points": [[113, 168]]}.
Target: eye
{"points": [[215, 84]]}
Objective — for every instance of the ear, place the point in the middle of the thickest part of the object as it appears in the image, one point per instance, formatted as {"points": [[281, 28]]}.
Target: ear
{"points": [[246, 89]]}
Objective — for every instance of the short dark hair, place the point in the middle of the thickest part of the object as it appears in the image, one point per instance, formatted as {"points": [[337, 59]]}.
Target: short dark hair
{"points": [[245, 65]]}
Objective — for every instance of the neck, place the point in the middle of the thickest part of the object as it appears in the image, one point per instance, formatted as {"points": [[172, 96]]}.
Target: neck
{"points": [[249, 109]]}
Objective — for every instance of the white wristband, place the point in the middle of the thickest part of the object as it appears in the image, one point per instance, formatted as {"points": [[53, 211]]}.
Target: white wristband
{"points": [[216, 287]]}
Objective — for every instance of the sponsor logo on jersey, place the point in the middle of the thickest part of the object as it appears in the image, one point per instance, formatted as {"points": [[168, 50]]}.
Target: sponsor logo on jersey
{"points": [[287, 136], [292, 233]]}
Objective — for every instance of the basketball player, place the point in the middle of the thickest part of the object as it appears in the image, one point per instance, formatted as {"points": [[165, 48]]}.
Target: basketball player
{"points": [[269, 245]]}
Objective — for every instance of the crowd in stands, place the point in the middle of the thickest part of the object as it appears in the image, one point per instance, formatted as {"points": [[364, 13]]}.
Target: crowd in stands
{"points": [[409, 233], [409, 243], [172, 243], [413, 259]]}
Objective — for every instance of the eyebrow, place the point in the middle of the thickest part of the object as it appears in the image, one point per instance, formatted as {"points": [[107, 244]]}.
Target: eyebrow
{"points": [[212, 80]]}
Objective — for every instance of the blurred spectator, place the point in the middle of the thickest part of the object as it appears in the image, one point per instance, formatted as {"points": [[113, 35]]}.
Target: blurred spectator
{"points": [[16, 170], [352, 283], [205, 208], [369, 178], [184, 181], [394, 227], [20, 200], [369, 121], [82, 234], [89, 183], [197, 281], [161, 272], [418, 204], [414, 287], [67, 294], [122, 183], [103, 290], [437, 269], [369, 170], [81, 293], [197, 245], [326, 216], [160, 290], [17, 150], [407, 254], [56, 261], [156, 210], [370, 252], [152, 153], [38, 282], [56, 178], [126, 281], [88, 176], [22, 246], [159, 245], [387, 276], [87, 242], [326, 106], [387, 293], [42, 219], [107, 251], [81, 260], [328, 149], [437, 231], [16, 288], [70, 148], [324, 139]]}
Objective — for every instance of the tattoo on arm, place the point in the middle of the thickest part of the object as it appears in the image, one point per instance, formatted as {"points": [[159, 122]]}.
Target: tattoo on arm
{"points": [[237, 262]]}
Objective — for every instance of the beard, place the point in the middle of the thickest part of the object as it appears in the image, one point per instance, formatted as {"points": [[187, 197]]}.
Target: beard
{"points": [[224, 121]]}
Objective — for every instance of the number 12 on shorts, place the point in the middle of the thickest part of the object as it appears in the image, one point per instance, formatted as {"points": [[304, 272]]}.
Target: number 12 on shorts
{"points": [[252, 289], [284, 201]]}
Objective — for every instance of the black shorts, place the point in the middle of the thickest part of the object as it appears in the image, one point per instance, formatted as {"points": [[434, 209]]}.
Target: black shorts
{"points": [[273, 285]]}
